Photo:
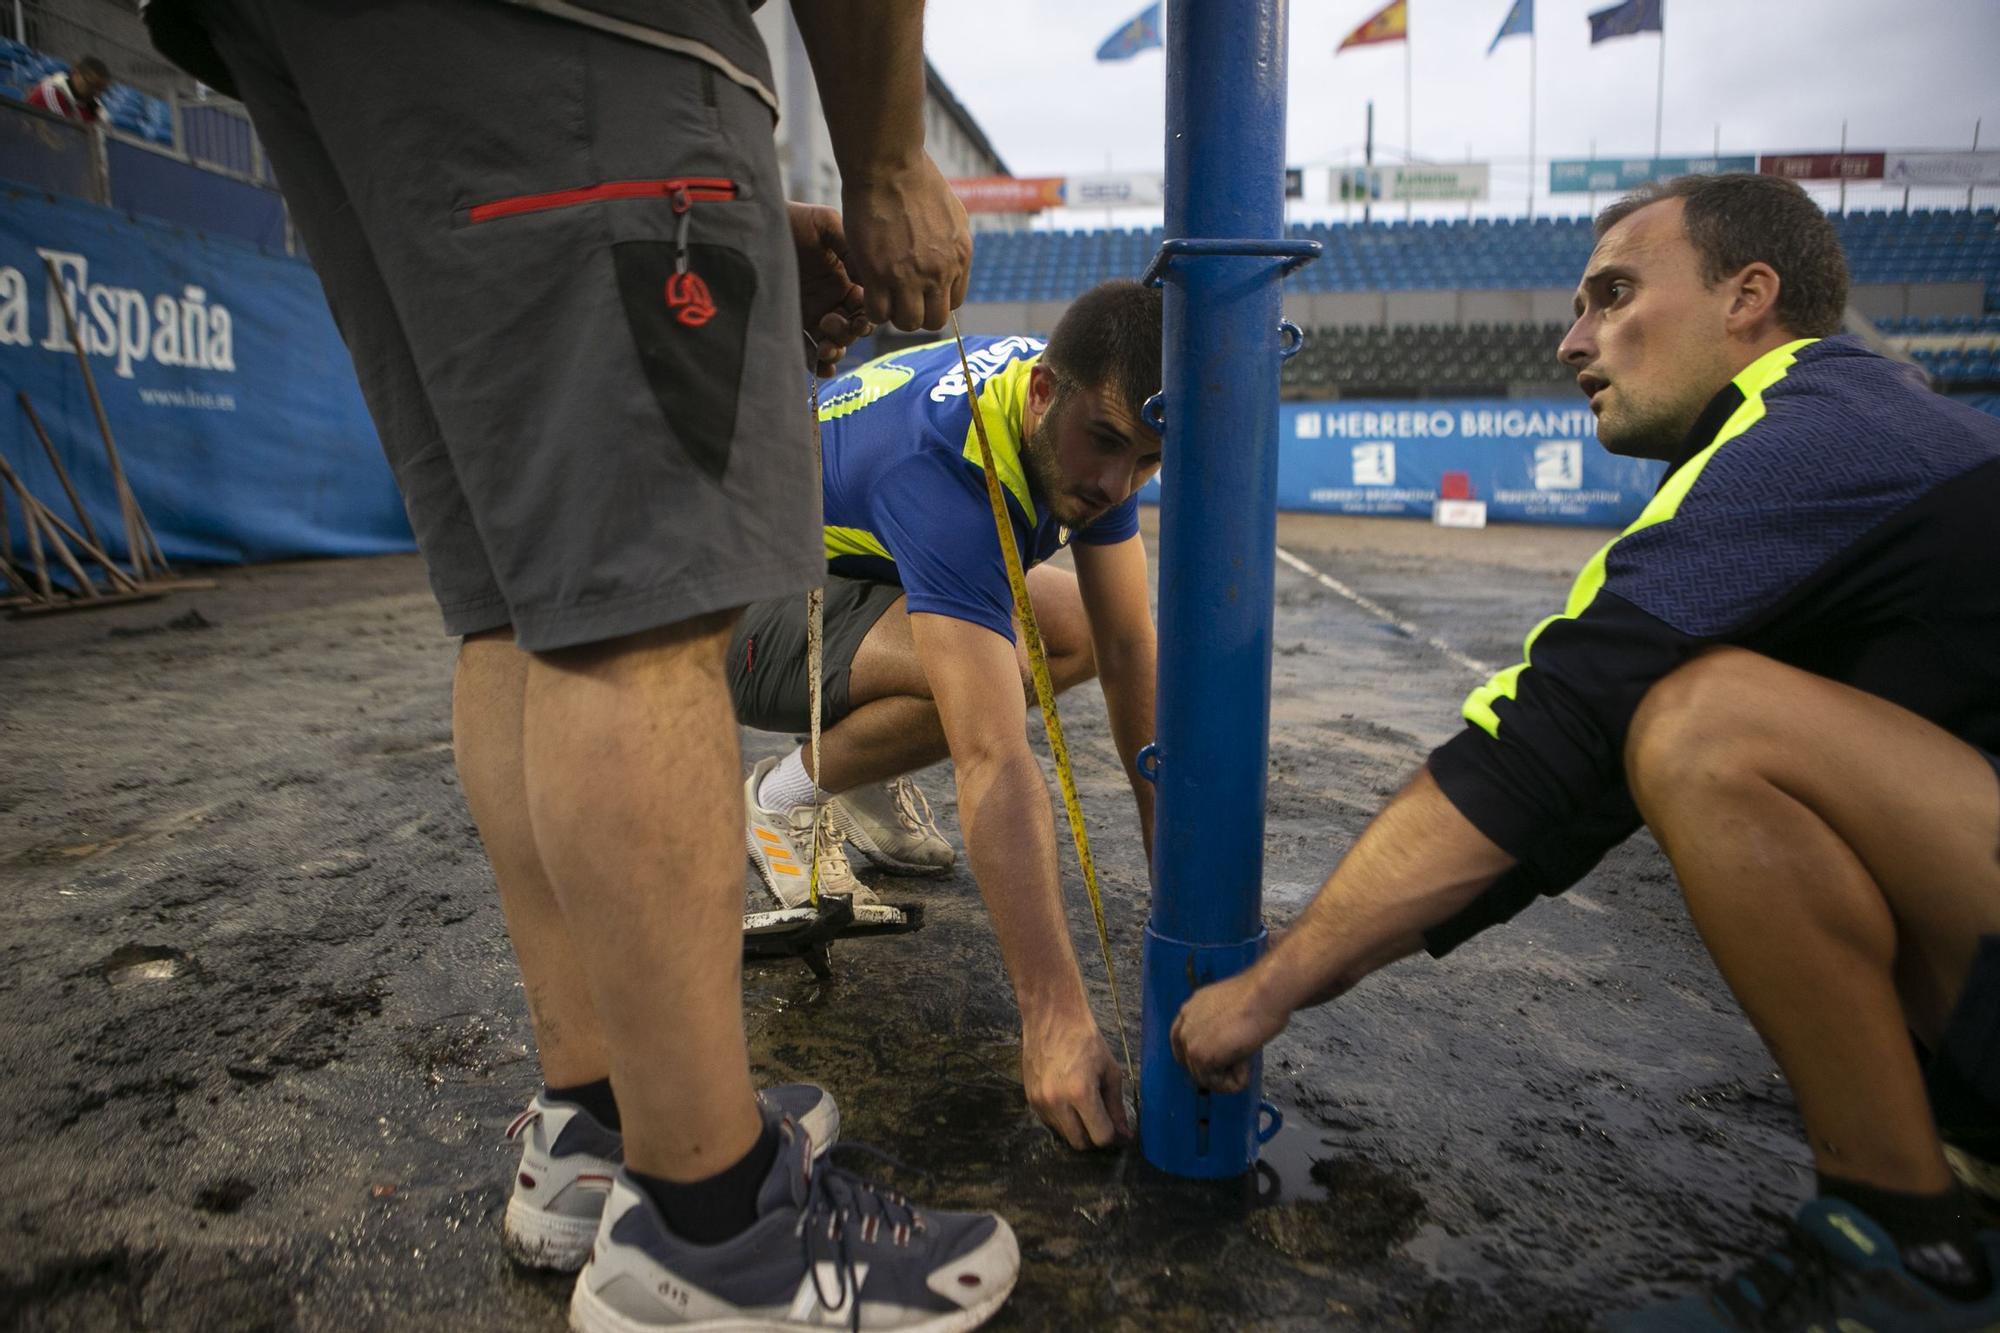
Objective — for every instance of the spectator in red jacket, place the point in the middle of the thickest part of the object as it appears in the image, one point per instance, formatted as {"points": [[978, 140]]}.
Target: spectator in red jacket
{"points": [[74, 95]]}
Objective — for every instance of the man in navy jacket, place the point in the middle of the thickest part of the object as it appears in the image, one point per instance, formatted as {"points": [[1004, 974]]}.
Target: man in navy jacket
{"points": [[1789, 669]]}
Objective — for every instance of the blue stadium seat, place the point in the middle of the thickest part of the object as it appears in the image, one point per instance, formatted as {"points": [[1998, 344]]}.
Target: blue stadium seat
{"points": [[1394, 254], [128, 109]]}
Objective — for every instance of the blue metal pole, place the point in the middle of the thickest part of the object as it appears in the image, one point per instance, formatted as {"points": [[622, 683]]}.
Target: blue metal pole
{"points": [[1218, 532]]}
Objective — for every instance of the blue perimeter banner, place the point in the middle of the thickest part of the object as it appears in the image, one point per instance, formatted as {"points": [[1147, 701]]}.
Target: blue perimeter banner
{"points": [[230, 393], [1530, 460]]}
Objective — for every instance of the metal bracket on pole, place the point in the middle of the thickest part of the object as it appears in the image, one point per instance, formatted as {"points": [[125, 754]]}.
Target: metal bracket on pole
{"points": [[1148, 763], [1296, 253]]}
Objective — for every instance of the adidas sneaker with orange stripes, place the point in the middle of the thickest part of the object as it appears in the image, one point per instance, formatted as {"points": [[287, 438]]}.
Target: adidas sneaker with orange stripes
{"points": [[781, 847]]}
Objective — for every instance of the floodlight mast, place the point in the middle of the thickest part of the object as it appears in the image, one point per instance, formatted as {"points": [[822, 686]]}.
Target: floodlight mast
{"points": [[1221, 267]]}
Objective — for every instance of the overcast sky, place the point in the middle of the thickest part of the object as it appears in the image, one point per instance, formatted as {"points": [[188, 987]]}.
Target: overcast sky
{"points": [[1773, 74]]}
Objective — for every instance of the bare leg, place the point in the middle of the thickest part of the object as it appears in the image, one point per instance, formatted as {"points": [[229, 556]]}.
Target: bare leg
{"points": [[631, 763], [486, 703], [882, 739], [1841, 858], [894, 727]]}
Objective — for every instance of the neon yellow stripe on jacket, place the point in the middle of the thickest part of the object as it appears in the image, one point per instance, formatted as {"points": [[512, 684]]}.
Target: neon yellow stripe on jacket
{"points": [[1755, 378], [1002, 400]]}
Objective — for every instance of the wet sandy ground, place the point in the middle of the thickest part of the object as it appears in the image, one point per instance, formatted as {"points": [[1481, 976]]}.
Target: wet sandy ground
{"points": [[262, 1034]]}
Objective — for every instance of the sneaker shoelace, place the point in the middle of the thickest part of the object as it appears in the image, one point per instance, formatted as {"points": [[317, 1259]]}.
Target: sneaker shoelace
{"points": [[836, 872], [913, 808], [841, 1206]]}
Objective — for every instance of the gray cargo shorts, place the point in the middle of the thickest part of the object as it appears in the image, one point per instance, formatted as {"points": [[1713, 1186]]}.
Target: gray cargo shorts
{"points": [[767, 663], [562, 264]]}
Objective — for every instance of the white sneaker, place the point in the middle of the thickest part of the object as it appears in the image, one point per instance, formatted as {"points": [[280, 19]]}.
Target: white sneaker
{"points": [[568, 1159], [828, 1250], [892, 824], [781, 847]]}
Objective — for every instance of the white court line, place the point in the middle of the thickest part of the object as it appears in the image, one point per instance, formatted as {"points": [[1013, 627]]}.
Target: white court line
{"points": [[1381, 612]]}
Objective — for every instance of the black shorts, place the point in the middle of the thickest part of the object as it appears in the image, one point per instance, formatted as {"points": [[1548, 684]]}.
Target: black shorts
{"points": [[768, 677], [505, 210], [1964, 1071]]}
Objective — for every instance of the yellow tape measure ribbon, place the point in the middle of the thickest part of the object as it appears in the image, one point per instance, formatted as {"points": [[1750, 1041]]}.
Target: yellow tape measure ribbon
{"points": [[1038, 662]]}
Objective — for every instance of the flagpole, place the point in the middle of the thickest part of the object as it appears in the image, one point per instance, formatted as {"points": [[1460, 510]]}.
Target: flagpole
{"points": [[1660, 93], [1409, 114], [1368, 163], [1531, 125]]}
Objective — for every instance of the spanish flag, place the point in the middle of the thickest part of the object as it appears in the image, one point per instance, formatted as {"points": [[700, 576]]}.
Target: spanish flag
{"points": [[1390, 24]]}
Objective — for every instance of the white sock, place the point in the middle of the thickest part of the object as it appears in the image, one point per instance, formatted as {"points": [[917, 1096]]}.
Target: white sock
{"points": [[789, 786]]}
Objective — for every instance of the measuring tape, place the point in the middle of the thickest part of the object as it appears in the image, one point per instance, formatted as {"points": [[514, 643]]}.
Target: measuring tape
{"points": [[873, 917], [815, 637], [1038, 663]]}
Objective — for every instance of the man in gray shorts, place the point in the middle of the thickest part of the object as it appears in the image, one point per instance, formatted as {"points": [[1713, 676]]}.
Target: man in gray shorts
{"points": [[570, 285]]}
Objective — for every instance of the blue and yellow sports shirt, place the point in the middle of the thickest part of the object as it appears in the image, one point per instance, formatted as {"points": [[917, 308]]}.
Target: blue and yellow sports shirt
{"points": [[906, 495]]}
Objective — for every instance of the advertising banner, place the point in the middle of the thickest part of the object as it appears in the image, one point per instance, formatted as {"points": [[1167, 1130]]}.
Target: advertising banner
{"points": [[1530, 460], [1822, 166], [1116, 190], [1008, 194], [1423, 184], [1608, 175], [229, 392], [1957, 170]]}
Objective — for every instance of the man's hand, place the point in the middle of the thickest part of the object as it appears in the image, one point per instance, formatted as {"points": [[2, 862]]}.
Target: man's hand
{"points": [[908, 245], [829, 299], [1072, 1081], [1220, 1027]]}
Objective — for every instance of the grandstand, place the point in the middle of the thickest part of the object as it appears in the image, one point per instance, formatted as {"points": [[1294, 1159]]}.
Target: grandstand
{"points": [[1946, 260], [1374, 360], [1925, 245], [136, 113]]}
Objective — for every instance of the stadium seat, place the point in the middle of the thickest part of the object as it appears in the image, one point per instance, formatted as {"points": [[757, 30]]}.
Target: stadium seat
{"points": [[1392, 254]]}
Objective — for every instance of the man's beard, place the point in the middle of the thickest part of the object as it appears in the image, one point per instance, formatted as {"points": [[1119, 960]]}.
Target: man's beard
{"points": [[1648, 430], [1038, 457]]}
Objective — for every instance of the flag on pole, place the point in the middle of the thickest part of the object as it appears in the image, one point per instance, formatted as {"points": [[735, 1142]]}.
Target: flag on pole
{"points": [[1520, 22], [1390, 24], [1628, 19], [1142, 33]]}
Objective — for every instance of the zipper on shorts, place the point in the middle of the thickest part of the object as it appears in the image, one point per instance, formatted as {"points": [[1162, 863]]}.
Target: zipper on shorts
{"points": [[683, 191]]}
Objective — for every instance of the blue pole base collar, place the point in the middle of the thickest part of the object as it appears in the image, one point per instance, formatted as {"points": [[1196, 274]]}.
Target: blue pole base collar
{"points": [[1184, 1130]]}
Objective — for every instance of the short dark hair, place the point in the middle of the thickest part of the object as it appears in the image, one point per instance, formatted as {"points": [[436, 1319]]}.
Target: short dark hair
{"points": [[1736, 219], [93, 66], [1111, 335]]}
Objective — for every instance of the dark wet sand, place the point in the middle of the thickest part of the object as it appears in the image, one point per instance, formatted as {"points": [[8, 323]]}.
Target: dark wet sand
{"points": [[262, 1033]]}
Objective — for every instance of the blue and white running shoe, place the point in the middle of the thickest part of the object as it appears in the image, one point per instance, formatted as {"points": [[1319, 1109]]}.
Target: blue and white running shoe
{"points": [[828, 1250], [568, 1160]]}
